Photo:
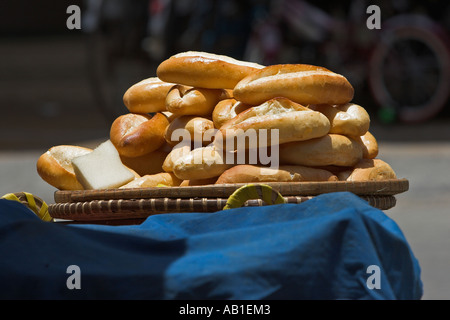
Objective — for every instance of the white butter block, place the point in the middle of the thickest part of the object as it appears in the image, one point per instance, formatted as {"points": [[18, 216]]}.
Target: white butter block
{"points": [[102, 168]]}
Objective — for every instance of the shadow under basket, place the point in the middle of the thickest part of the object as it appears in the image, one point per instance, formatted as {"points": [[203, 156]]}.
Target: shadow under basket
{"points": [[132, 206]]}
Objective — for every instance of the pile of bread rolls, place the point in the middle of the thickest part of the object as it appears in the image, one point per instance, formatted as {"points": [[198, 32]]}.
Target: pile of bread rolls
{"points": [[178, 124]]}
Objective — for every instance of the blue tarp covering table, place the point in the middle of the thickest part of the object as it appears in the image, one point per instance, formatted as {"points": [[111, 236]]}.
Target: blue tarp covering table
{"points": [[334, 246]]}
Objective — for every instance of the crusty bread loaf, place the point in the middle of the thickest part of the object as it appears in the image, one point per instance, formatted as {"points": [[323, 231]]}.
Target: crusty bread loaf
{"points": [[347, 119], [204, 70], [369, 145], [198, 130], [227, 109], [368, 170], [178, 151], [147, 96], [150, 163], [250, 173], [200, 163], [198, 182], [292, 121], [186, 100], [329, 150], [304, 84], [55, 166], [135, 135], [154, 180]]}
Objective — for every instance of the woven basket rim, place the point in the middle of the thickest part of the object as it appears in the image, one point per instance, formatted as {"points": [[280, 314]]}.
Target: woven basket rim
{"points": [[378, 188]]}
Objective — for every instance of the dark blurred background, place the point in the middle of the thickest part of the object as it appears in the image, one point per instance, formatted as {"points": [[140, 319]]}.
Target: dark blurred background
{"points": [[62, 86]]}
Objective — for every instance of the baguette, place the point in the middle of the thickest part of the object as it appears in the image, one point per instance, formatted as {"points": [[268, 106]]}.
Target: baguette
{"points": [[204, 70], [368, 170], [250, 173], [348, 119], [301, 83], [292, 122], [55, 166], [329, 150], [135, 135], [154, 180], [147, 96]]}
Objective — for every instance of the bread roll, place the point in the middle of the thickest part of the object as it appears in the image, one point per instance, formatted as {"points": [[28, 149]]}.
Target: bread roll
{"points": [[227, 109], [147, 96], [135, 135], [154, 180], [347, 119], [198, 182], [293, 122], [204, 70], [368, 170], [369, 145], [304, 84], [185, 100], [251, 173], [178, 151], [150, 163], [55, 166], [201, 163], [198, 130], [329, 150]]}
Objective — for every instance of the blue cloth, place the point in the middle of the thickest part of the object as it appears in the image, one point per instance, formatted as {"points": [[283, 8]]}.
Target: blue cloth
{"points": [[320, 249]]}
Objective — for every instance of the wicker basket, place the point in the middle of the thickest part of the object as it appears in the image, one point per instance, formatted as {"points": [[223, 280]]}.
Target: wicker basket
{"points": [[122, 206]]}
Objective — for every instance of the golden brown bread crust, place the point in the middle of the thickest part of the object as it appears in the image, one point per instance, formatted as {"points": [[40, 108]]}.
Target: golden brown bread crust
{"points": [[250, 173], [329, 150], [186, 100], [150, 163], [153, 180], [147, 96], [55, 166], [227, 109], [304, 84], [135, 135], [348, 119], [194, 126], [368, 170], [369, 145], [198, 182], [200, 163], [204, 70], [294, 122], [180, 150]]}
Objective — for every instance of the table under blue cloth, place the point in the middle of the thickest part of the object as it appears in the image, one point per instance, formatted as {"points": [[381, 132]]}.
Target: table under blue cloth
{"points": [[334, 246]]}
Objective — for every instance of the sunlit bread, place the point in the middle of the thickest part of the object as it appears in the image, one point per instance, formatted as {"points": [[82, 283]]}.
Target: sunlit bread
{"points": [[147, 96], [349, 119], [227, 109], [251, 173], [185, 100], [135, 135], [329, 150], [368, 170], [55, 166], [197, 130], [154, 180], [200, 163], [304, 84], [292, 122], [204, 70]]}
